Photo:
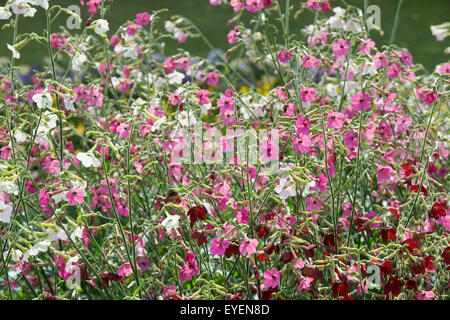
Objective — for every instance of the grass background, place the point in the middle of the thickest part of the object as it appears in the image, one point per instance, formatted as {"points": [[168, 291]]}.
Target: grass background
{"points": [[413, 31]]}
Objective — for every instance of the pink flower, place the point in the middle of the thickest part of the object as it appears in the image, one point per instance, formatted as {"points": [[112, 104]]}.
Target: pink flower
{"points": [[219, 246], [75, 196], [305, 284], [425, 295], [361, 101], [271, 278], [125, 270], [203, 97], [248, 247], [237, 5], [284, 55], [313, 4], [366, 46], [212, 78], [302, 125], [232, 36], [445, 68], [313, 204], [143, 18], [380, 60], [325, 6], [254, 5], [350, 139], [190, 267], [175, 99], [393, 71], [384, 173], [340, 48], [226, 111], [335, 120], [302, 143], [310, 61], [406, 58], [308, 94]]}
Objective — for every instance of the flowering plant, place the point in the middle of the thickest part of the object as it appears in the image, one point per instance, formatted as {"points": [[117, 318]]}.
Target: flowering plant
{"points": [[294, 166]]}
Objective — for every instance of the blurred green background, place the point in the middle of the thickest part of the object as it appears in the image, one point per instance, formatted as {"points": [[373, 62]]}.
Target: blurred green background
{"points": [[413, 31]]}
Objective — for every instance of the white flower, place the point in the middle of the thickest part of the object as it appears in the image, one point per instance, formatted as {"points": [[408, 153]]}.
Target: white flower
{"points": [[58, 197], [5, 212], [56, 234], [101, 26], [171, 222], [49, 119], [88, 159], [70, 264], [169, 26], [20, 136], [9, 187], [310, 184], [79, 62], [68, 101], [439, 32], [19, 6], [16, 54], [186, 119], [175, 77], [353, 25], [336, 22], [157, 124], [43, 100], [286, 188], [30, 12], [42, 3], [15, 255], [77, 233], [4, 13]]}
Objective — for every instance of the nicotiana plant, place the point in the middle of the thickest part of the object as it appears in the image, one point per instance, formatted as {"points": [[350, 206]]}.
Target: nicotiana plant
{"points": [[304, 164]]}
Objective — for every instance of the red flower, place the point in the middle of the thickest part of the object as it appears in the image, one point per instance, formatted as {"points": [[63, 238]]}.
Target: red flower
{"points": [[415, 187], [411, 245], [389, 233], [196, 213], [411, 284], [409, 170], [341, 288], [427, 263], [446, 255], [199, 235], [395, 212], [393, 287], [385, 267], [438, 210]]}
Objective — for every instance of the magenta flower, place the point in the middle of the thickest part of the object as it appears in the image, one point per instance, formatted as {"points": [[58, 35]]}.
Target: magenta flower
{"points": [[302, 143], [237, 5], [308, 94], [302, 125], [284, 55], [406, 58], [393, 71], [366, 46], [384, 173], [380, 60], [350, 139], [248, 247], [271, 278], [75, 196], [219, 246], [125, 270], [305, 284], [254, 5], [143, 18], [313, 204], [430, 97], [212, 78], [226, 106], [203, 97], [361, 101], [340, 48], [335, 120]]}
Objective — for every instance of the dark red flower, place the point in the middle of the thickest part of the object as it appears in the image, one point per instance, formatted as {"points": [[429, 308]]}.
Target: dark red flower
{"points": [[427, 263], [408, 169], [411, 284], [411, 245], [385, 267], [341, 288], [389, 233], [309, 250], [196, 213], [439, 209], [415, 187], [393, 286], [199, 235], [446, 255]]}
